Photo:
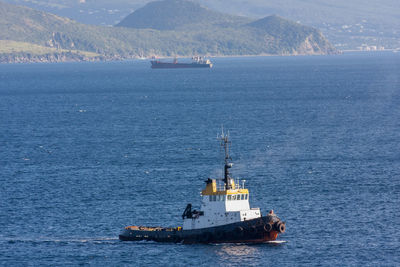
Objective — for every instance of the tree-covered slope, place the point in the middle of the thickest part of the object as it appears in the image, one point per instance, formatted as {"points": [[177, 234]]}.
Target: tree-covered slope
{"points": [[348, 24], [175, 15], [28, 25], [211, 34], [290, 36]]}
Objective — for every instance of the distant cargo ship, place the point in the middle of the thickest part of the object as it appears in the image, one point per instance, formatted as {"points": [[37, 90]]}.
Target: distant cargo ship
{"points": [[197, 62]]}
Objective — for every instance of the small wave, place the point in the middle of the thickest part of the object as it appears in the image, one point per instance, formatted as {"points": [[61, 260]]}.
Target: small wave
{"points": [[63, 240]]}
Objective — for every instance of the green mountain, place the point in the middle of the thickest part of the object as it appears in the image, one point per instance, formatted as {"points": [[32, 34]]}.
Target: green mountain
{"points": [[181, 33], [26, 25], [270, 35], [348, 24], [290, 36], [176, 15]]}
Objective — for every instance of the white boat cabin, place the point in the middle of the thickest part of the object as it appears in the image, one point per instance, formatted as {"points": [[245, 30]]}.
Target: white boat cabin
{"points": [[220, 205]]}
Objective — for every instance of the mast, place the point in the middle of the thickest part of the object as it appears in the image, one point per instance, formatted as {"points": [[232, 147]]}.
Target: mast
{"points": [[225, 143]]}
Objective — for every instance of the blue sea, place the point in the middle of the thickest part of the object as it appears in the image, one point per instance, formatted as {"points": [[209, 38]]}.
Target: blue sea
{"points": [[89, 148]]}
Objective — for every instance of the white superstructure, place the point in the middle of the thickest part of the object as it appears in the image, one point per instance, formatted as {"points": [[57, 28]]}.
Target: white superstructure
{"points": [[222, 203]]}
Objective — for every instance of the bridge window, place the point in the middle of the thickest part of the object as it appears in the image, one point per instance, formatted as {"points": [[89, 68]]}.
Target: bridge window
{"points": [[242, 197], [246, 196], [229, 197], [238, 197]]}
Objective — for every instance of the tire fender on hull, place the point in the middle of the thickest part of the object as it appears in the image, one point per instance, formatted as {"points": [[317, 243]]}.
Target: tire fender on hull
{"points": [[268, 227], [280, 227]]}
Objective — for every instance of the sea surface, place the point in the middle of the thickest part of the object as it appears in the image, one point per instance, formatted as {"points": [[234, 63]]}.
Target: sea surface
{"points": [[88, 148]]}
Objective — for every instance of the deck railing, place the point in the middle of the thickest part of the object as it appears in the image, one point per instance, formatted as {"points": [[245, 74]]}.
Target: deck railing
{"points": [[239, 184]]}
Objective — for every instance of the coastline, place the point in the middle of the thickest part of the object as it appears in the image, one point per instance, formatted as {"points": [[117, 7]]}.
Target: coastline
{"points": [[65, 57], [61, 57]]}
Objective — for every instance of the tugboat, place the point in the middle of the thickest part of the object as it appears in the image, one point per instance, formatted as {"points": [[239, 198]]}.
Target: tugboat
{"points": [[197, 62], [225, 216]]}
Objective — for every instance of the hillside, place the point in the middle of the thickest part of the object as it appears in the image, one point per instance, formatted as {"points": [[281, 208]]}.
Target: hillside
{"points": [[273, 34], [176, 15], [217, 35], [347, 24], [291, 34], [17, 52], [23, 24]]}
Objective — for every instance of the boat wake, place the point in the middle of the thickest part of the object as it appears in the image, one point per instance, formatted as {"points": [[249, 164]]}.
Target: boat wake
{"points": [[276, 242]]}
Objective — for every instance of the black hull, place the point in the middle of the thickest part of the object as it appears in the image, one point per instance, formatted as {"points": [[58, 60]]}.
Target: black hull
{"points": [[165, 65], [253, 231]]}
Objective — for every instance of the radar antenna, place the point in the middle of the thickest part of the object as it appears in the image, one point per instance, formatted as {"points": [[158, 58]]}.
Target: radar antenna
{"points": [[225, 143]]}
